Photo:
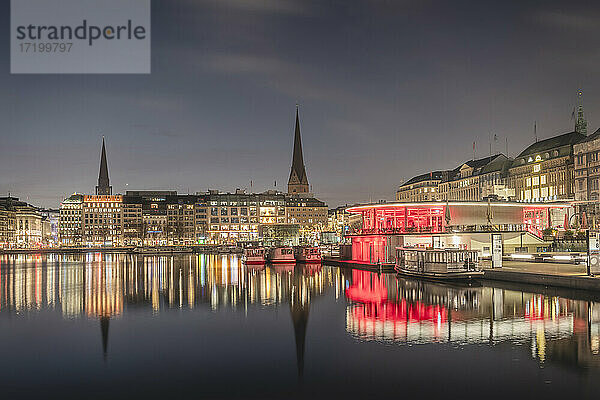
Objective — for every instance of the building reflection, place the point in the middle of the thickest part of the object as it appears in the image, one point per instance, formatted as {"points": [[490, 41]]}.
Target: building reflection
{"points": [[387, 308], [102, 286]]}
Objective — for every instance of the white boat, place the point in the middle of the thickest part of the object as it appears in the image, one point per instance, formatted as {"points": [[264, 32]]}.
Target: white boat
{"points": [[308, 255], [255, 256], [438, 264], [281, 255]]}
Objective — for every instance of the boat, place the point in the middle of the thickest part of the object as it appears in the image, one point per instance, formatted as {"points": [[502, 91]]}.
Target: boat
{"points": [[438, 264], [255, 256], [281, 255], [308, 255]]}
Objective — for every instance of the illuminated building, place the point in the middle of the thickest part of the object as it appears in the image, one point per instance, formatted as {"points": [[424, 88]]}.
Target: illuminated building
{"points": [[238, 216], [465, 225], [70, 230], [422, 187], [544, 171], [102, 220], [29, 226], [23, 225], [308, 212], [93, 220], [7, 225], [164, 218], [341, 222], [474, 180], [587, 180]]}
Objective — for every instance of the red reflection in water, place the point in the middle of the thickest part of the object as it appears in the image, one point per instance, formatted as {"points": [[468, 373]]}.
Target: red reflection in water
{"points": [[371, 291]]}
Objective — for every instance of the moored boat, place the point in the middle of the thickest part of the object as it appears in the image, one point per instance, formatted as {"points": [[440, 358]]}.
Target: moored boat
{"points": [[438, 264], [255, 256], [308, 254], [281, 255]]}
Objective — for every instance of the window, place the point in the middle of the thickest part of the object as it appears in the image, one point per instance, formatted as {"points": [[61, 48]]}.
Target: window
{"points": [[543, 179], [536, 181], [528, 180], [223, 211], [536, 168]]}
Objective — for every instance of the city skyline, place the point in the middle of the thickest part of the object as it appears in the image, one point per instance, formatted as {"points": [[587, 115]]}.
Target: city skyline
{"points": [[222, 115]]}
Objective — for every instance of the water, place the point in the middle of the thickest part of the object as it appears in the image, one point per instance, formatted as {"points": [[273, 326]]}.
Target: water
{"points": [[121, 326]]}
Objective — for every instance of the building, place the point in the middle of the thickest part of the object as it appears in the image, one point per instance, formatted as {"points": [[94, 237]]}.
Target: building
{"points": [[587, 180], [23, 225], [544, 171], [8, 223], [422, 187], [93, 220], [341, 222], [70, 228], [464, 225], [473, 180], [157, 218]]}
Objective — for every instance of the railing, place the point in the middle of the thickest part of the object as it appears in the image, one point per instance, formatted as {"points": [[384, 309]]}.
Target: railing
{"points": [[451, 229]]}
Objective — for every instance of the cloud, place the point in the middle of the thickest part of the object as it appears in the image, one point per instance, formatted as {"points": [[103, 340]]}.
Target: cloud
{"points": [[579, 22], [297, 81], [288, 7]]}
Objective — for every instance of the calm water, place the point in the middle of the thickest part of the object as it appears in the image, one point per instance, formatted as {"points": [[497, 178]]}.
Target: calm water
{"points": [[120, 326]]}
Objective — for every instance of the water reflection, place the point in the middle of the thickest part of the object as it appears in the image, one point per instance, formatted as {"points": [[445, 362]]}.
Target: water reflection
{"points": [[548, 326], [103, 286], [387, 308]]}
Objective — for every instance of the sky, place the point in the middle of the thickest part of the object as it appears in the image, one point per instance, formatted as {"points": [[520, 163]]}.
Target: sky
{"points": [[386, 90]]}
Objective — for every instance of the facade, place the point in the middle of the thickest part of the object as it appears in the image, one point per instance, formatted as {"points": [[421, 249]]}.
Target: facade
{"points": [[102, 220], [23, 225], [29, 228], [70, 230], [474, 180], [465, 225], [587, 180], [157, 218], [422, 188], [544, 171], [8, 223], [341, 222]]}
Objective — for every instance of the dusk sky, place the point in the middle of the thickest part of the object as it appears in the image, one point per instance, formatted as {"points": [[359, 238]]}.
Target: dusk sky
{"points": [[386, 89]]}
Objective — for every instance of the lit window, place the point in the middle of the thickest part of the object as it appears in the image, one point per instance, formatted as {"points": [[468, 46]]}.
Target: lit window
{"points": [[536, 168]]}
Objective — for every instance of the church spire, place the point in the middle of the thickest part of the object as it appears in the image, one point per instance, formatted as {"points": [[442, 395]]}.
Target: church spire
{"points": [[580, 122], [103, 187], [298, 182]]}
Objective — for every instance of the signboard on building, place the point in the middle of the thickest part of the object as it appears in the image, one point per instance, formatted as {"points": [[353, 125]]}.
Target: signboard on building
{"points": [[496, 250]]}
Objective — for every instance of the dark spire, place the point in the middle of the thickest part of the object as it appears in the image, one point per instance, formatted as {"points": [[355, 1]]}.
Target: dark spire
{"points": [[103, 180], [104, 321], [298, 182], [580, 123], [299, 308]]}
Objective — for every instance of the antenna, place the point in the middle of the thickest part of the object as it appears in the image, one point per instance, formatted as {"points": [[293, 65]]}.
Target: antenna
{"points": [[507, 147], [535, 130]]}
